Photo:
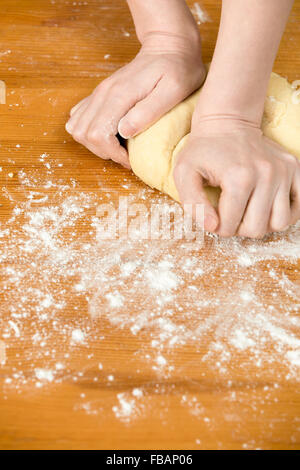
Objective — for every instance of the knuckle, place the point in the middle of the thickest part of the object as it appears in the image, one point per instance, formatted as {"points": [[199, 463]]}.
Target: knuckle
{"points": [[238, 177], [176, 83], [103, 86], [292, 161], [93, 136], [112, 88], [78, 135], [266, 169]]}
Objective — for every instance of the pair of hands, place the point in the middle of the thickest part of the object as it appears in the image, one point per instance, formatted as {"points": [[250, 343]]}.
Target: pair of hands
{"points": [[260, 181]]}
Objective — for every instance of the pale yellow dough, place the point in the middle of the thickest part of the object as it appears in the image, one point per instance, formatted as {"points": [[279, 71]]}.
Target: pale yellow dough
{"points": [[152, 153]]}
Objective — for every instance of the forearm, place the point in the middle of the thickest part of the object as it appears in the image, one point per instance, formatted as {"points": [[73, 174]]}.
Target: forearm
{"points": [[248, 40], [171, 18]]}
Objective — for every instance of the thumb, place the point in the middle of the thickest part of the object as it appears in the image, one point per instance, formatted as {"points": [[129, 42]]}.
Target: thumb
{"points": [[191, 190], [148, 110]]}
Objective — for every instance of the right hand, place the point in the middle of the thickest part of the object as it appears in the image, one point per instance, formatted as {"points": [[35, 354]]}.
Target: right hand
{"points": [[165, 71], [260, 180]]}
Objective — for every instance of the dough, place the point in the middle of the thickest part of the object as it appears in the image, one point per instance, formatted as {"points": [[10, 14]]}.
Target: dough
{"points": [[152, 153]]}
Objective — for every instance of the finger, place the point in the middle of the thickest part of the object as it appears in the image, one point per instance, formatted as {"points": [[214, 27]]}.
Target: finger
{"points": [[236, 191], [191, 191], [295, 197], [255, 222], [280, 217], [72, 122], [96, 126], [285, 210], [111, 151], [110, 147], [149, 110], [108, 104], [78, 105], [99, 135], [96, 97]]}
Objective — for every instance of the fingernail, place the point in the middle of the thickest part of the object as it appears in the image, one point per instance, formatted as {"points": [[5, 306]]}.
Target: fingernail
{"points": [[125, 129], [68, 127]]}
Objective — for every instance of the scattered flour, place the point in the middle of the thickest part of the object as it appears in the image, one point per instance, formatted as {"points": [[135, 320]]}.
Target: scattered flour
{"points": [[44, 374], [128, 407], [233, 300], [14, 326], [78, 336], [125, 408], [200, 14], [115, 299], [160, 360], [2, 353]]}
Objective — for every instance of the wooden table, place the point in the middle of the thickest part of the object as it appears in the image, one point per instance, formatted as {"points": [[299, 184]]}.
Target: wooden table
{"points": [[74, 373]]}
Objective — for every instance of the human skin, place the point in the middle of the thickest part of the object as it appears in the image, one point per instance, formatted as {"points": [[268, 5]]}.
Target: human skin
{"points": [[260, 181], [167, 69]]}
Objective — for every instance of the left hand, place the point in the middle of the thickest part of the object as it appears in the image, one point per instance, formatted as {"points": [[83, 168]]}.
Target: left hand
{"points": [[166, 70]]}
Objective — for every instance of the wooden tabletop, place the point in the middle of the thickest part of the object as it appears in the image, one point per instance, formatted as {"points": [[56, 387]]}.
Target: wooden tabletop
{"points": [[126, 344]]}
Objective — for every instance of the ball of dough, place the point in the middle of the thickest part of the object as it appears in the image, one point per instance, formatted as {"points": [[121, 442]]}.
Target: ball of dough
{"points": [[152, 153]]}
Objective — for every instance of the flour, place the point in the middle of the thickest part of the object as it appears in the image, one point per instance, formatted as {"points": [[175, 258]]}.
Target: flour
{"points": [[115, 299], [15, 328], [128, 407], [294, 357], [78, 336], [44, 374], [160, 360], [162, 278], [200, 14], [5, 53], [2, 353], [233, 301], [125, 408]]}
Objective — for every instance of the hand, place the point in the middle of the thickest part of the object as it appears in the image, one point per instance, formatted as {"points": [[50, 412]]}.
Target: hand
{"points": [[260, 181], [166, 70]]}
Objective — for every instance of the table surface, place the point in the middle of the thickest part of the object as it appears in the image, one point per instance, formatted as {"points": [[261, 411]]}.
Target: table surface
{"points": [[126, 344]]}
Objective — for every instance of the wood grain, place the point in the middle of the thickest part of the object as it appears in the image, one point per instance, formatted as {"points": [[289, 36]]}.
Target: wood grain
{"points": [[51, 56]]}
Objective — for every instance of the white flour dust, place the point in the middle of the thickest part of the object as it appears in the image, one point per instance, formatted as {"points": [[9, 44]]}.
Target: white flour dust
{"points": [[63, 289], [128, 406], [200, 14], [2, 353]]}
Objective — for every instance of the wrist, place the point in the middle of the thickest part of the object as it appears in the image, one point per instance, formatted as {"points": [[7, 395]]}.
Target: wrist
{"points": [[217, 124], [168, 42], [165, 24], [229, 103]]}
